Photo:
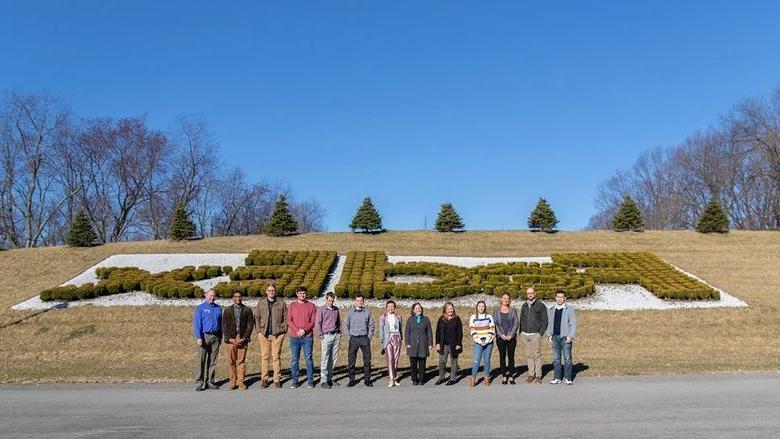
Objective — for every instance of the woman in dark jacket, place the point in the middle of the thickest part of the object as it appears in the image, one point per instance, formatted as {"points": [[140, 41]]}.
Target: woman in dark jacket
{"points": [[419, 342], [449, 339]]}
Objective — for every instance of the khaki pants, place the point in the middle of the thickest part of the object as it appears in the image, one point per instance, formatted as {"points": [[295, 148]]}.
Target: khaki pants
{"points": [[271, 349], [237, 364], [533, 353]]}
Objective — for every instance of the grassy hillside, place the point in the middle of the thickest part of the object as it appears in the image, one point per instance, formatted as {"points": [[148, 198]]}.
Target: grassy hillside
{"points": [[121, 344]]}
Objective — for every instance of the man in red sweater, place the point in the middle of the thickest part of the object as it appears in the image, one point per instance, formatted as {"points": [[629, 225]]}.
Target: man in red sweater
{"points": [[301, 315]]}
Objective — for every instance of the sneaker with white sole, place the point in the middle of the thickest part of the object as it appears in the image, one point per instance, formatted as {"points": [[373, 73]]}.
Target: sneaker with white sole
{"points": [[555, 381], [390, 384], [568, 381], [397, 383]]}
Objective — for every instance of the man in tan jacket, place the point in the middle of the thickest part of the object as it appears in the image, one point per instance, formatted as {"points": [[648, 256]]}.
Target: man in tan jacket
{"points": [[237, 325], [271, 324]]}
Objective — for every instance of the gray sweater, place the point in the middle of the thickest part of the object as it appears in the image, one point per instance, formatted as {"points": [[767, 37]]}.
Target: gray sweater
{"points": [[513, 324], [359, 323]]}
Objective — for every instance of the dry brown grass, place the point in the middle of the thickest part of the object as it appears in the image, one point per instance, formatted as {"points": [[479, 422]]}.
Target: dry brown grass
{"points": [[125, 344]]}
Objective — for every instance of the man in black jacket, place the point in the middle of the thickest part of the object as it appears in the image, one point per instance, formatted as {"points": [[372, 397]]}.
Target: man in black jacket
{"points": [[237, 325], [533, 323]]}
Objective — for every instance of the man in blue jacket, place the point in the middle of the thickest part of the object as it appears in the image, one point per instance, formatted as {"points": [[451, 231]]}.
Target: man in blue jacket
{"points": [[207, 328], [561, 330]]}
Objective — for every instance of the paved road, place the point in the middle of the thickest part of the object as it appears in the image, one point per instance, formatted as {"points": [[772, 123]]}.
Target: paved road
{"points": [[712, 406]]}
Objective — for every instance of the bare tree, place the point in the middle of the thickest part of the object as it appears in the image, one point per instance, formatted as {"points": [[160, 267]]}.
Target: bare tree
{"points": [[31, 195], [122, 159]]}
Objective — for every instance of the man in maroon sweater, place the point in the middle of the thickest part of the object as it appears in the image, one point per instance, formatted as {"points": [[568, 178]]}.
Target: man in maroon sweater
{"points": [[301, 315]]}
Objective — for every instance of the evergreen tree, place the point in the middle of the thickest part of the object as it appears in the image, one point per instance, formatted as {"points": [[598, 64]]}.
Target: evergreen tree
{"points": [[282, 222], [542, 217], [448, 219], [81, 233], [182, 226], [713, 219], [367, 218], [628, 217]]}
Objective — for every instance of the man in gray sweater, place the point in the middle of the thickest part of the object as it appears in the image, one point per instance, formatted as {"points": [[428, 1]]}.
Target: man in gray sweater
{"points": [[533, 323], [359, 326]]}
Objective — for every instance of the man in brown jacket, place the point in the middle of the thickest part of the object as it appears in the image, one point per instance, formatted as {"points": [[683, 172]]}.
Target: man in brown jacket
{"points": [[237, 326], [271, 324]]}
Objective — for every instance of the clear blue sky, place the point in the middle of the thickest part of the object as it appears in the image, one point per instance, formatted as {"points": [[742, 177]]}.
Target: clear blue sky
{"points": [[486, 104]]}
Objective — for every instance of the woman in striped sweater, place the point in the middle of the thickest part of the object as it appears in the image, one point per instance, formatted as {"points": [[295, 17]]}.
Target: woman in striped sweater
{"points": [[482, 328]]}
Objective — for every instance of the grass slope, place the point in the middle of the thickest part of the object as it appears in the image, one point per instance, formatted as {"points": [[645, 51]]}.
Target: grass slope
{"points": [[149, 344]]}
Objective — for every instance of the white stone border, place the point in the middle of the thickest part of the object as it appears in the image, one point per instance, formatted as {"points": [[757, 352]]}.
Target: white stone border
{"points": [[606, 297]]}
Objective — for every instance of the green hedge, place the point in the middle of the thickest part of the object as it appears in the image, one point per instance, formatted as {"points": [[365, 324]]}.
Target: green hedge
{"points": [[118, 280], [576, 273]]}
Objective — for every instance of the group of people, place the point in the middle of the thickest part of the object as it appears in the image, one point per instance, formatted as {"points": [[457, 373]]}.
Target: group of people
{"points": [[302, 321]]}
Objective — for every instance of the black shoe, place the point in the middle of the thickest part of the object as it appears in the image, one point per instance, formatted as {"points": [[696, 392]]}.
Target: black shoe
{"points": [[451, 383], [199, 388], [368, 384], [352, 383], [325, 385], [440, 382], [212, 386], [414, 383]]}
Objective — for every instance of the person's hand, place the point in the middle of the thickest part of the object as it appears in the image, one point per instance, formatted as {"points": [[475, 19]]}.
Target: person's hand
{"points": [[408, 346], [199, 342], [568, 339], [301, 332], [438, 347], [549, 339], [457, 348]]}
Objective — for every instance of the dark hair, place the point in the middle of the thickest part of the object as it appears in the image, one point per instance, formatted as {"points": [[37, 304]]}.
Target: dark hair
{"points": [[388, 303], [560, 291], [301, 288], [271, 285], [359, 296], [330, 294], [239, 292], [422, 310], [476, 308]]}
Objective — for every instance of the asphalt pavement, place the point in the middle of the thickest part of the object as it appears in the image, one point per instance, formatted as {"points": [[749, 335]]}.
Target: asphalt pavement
{"points": [[691, 406]]}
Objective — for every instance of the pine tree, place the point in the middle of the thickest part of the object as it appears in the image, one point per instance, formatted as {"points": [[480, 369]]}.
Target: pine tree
{"points": [[367, 218], [182, 226], [81, 233], [282, 222], [628, 217], [448, 219], [713, 219], [542, 217]]}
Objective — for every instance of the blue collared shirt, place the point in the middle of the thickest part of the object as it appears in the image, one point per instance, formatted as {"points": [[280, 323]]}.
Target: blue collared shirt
{"points": [[207, 318]]}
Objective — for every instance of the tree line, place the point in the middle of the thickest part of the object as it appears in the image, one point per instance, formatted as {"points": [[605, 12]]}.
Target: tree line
{"points": [[126, 177], [735, 164]]}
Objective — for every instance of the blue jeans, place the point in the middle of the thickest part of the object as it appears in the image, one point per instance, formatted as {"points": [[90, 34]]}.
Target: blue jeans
{"points": [[559, 346], [481, 353], [295, 352]]}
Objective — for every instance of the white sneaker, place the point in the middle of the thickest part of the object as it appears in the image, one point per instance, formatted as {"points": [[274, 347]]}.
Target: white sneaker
{"points": [[390, 384], [555, 381], [568, 381], [397, 383]]}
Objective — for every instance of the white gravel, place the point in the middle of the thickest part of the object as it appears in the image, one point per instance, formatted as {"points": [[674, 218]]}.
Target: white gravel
{"points": [[467, 261], [412, 279], [606, 297]]}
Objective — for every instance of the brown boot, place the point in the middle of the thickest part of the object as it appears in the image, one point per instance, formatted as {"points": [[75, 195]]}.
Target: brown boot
{"points": [[487, 380], [242, 386], [538, 380], [472, 382], [264, 384], [529, 379]]}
